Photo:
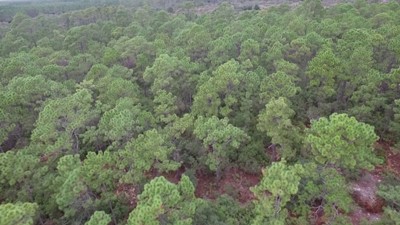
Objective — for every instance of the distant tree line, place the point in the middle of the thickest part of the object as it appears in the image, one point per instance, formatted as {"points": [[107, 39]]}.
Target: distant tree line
{"points": [[98, 103]]}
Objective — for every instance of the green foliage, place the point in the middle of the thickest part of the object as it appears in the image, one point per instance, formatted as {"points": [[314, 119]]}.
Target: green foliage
{"points": [[393, 216], [197, 40], [173, 75], [368, 102], [99, 218], [21, 100], [277, 85], [223, 211], [148, 150], [389, 191], [62, 121], [343, 141], [323, 70], [165, 108], [69, 197], [126, 120], [16, 168], [98, 173], [163, 72], [218, 91], [275, 121], [250, 50], [111, 88], [324, 189], [19, 64], [279, 182], [395, 124], [228, 93], [222, 137], [162, 202], [18, 213], [96, 99], [84, 187]]}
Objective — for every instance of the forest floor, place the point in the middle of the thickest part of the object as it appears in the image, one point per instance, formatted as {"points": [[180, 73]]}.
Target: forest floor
{"points": [[369, 205], [237, 183], [234, 182]]}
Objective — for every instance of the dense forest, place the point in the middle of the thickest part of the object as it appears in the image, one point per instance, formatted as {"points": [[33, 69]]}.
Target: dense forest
{"points": [[199, 112]]}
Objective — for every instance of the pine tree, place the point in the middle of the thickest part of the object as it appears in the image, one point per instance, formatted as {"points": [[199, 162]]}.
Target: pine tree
{"points": [[222, 137], [99, 218], [343, 141], [275, 121], [18, 213], [163, 202], [279, 182], [277, 85], [148, 150]]}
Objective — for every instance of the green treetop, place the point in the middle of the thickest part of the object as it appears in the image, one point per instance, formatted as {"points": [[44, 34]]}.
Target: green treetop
{"points": [[276, 121], [323, 71], [163, 202], [343, 141], [148, 150], [279, 182], [277, 85], [125, 121], [222, 137], [62, 121], [219, 95], [326, 190], [99, 218], [18, 213]]}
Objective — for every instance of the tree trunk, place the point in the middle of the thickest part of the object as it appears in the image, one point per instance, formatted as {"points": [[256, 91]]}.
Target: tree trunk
{"points": [[218, 172], [340, 97]]}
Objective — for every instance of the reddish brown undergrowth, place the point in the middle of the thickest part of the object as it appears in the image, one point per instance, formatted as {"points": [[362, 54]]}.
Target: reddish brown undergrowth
{"points": [[364, 191], [128, 192], [173, 176], [369, 205], [237, 183], [234, 182]]}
